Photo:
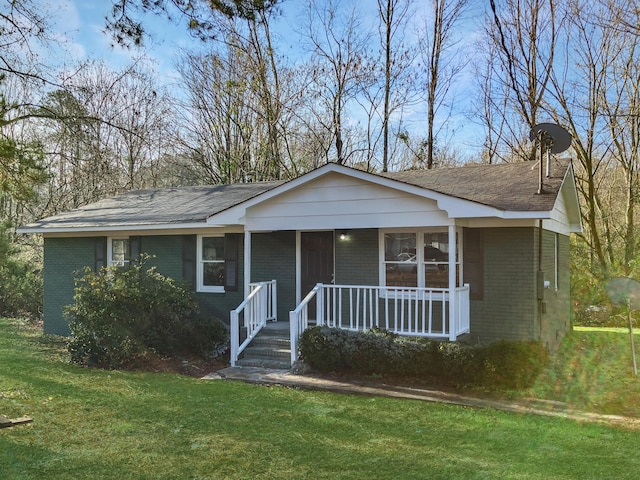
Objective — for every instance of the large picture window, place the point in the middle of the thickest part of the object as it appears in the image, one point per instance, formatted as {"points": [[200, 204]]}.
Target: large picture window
{"points": [[417, 259], [211, 264]]}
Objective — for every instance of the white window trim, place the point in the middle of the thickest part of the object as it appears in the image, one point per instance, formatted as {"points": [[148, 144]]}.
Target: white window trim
{"points": [[419, 252], [200, 286], [110, 261]]}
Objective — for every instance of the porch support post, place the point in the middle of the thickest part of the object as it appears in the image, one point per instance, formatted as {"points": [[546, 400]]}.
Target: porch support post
{"points": [[453, 313], [247, 262]]}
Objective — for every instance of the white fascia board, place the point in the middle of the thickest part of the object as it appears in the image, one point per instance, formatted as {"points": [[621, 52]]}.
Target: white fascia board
{"points": [[111, 228], [569, 190]]}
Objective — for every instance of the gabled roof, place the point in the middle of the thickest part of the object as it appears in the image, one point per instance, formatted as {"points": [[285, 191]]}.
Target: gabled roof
{"points": [[510, 188], [505, 186]]}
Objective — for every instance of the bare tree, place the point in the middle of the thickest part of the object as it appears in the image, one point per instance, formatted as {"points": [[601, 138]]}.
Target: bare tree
{"points": [[523, 35], [438, 39], [398, 58], [341, 68]]}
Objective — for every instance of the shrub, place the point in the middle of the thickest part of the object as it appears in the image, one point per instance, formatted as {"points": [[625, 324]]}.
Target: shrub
{"points": [[119, 314], [204, 336], [324, 349], [504, 364]]}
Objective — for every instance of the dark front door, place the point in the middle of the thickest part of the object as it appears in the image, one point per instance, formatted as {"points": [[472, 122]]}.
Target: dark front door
{"points": [[316, 262]]}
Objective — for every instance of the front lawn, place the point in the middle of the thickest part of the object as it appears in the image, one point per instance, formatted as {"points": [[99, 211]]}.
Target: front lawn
{"points": [[96, 424]]}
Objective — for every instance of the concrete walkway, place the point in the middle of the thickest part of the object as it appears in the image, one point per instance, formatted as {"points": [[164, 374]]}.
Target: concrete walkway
{"points": [[261, 376]]}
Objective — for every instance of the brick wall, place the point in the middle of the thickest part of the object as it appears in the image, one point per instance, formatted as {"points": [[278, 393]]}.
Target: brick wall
{"points": [[356, 259], [274, 258], [165, 252], [63, 257], [510, 307], [555, 319]]}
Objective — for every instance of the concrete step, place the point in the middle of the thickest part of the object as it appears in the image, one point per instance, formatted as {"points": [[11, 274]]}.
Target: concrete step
{"points": [[271, 348], [278, 328], [273, 364], [266, 352], [271, 341]]}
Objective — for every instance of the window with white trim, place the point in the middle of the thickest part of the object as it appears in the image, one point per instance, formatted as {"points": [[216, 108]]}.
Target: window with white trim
{"points": [[405, 265], [211, 263], [119, 252]]}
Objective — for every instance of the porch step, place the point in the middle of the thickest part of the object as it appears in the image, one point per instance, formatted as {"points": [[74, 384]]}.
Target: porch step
{"points": [[270, 349], [277, 328]]}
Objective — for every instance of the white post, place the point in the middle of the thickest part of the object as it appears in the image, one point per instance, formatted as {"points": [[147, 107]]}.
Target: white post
{"points": [[293, 331], [234, 337], [274, 300], [453, 310], [247, 263], [320, 316]]}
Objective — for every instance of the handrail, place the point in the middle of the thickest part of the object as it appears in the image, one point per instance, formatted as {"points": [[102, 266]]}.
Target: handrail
{"points": [[259, 307], [299, 320]]}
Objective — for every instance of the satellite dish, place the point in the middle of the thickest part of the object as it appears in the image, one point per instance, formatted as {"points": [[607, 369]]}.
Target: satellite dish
{"points": [[555, 138], [626, 291]]}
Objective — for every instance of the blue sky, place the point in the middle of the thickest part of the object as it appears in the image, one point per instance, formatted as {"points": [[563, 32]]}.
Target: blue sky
{"points": [[80, 24]]}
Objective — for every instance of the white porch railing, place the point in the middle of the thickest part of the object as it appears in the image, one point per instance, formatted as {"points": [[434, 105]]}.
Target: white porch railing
{"points": [[259, 307], [299, 320], [422, 312]]}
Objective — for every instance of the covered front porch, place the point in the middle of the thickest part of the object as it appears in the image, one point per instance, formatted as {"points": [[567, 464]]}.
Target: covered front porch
{"points": [[437, 313]]}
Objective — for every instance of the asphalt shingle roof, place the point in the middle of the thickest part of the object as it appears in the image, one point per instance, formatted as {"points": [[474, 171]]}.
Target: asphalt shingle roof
{"points": [[156, 207], [507, 187]]}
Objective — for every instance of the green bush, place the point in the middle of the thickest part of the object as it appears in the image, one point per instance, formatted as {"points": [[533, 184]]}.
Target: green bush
{"points": [[205, 337], [120, 314], [504, 364]]}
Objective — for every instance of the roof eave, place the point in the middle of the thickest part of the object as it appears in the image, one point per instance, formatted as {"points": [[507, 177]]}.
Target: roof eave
{"points": [[109, 228]]}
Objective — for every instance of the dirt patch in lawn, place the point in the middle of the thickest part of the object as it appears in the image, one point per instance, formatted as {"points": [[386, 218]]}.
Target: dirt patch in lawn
{"points": [[182, 365]]}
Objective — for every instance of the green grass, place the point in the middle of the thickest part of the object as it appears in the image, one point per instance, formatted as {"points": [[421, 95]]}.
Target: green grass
{"points": [[94, 424], [593, 371]]}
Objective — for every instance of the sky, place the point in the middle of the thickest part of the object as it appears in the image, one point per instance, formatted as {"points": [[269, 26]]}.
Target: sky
{"points": [[80, 24]]}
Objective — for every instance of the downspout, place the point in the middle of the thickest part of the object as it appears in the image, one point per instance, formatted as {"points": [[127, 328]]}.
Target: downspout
{"points": [[540, 281]]}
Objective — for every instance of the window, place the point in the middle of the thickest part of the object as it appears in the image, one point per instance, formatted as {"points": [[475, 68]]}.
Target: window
{"points": [[118, 252], [405, 265], [211, 264]]}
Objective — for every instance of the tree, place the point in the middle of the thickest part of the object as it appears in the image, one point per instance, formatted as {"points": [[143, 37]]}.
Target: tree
{"points": [[200, 16], [437, 40], [397, 59], [341, 68], [522, 35]]}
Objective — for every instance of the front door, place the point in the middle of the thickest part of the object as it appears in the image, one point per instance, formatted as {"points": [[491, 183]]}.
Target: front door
{"points": [[316, 262]]}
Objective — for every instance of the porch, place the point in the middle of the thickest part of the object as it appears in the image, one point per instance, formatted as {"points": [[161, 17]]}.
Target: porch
{"points": [[438, 313]]}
